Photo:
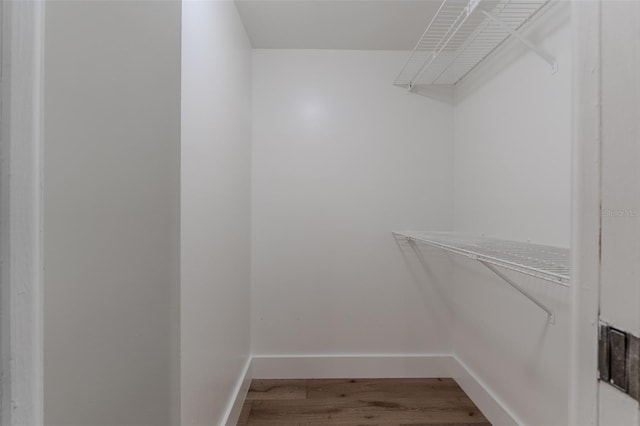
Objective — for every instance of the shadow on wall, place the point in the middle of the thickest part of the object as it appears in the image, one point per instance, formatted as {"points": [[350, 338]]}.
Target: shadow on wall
{"points": [[554, 17], [509, 343], [483, 306], [430, 277]]}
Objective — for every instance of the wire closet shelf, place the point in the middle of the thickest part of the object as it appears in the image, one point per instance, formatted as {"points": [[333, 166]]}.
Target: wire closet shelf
{"points": [[545, 262], [462, 34]]}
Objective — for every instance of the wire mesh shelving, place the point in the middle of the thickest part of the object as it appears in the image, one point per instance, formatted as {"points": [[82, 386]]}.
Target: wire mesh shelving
{"points": [[462, 34], [545, 262]]}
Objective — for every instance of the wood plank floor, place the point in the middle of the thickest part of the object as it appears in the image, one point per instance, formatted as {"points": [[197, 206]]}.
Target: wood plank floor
{"points": [[350, 402]]}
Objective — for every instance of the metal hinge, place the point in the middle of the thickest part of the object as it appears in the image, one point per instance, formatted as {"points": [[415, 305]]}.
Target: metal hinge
{"points": [[619, 359]]}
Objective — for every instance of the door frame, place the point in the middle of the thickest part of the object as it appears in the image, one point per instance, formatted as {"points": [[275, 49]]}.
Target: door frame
{"points": [[21, 215], [586, 212]]}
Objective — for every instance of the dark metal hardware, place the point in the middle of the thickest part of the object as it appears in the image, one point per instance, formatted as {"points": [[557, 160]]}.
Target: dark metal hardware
{"points": [[619, 360]]}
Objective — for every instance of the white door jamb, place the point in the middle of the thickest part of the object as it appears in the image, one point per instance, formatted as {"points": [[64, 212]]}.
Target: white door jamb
{"points": [[586, 213], [21, 212]]}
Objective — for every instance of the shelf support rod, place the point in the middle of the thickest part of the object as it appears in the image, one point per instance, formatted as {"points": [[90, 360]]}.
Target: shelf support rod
{"points": [[544, 55], [434, 55], [550, 314]]}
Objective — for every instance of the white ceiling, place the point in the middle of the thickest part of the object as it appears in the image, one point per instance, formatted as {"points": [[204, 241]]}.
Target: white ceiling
{"points": [[331, 24]]}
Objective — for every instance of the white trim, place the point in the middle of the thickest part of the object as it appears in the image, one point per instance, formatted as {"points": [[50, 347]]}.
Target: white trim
{"points": [[349, 366], [490, 405], [369, 366], [234, 408], [22, 105], [585, 256]]}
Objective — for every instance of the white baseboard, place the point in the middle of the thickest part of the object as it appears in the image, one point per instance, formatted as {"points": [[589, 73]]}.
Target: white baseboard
{"points": [[240, 394], [484, 399], [368, 366], [350, 366]]}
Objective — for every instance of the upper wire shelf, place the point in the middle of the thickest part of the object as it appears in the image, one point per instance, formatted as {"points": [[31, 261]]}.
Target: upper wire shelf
{"points": [[462, 34], [545, 262]]}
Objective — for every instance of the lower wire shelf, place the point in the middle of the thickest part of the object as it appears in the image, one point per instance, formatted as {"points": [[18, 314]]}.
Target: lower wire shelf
{"points": [[544, 262]]}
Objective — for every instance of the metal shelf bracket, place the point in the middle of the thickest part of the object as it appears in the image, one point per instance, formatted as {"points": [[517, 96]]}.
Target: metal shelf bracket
{"points": [[550, 314], [544, 55], [462, 34], [543, 262]]}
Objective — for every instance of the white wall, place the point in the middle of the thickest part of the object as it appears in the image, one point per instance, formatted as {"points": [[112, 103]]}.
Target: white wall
{"points": [[215, 192], [512, 150], [340, 159], [21, 104], [620, 225], [111, 212], [512, 180], [620, 293]]}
